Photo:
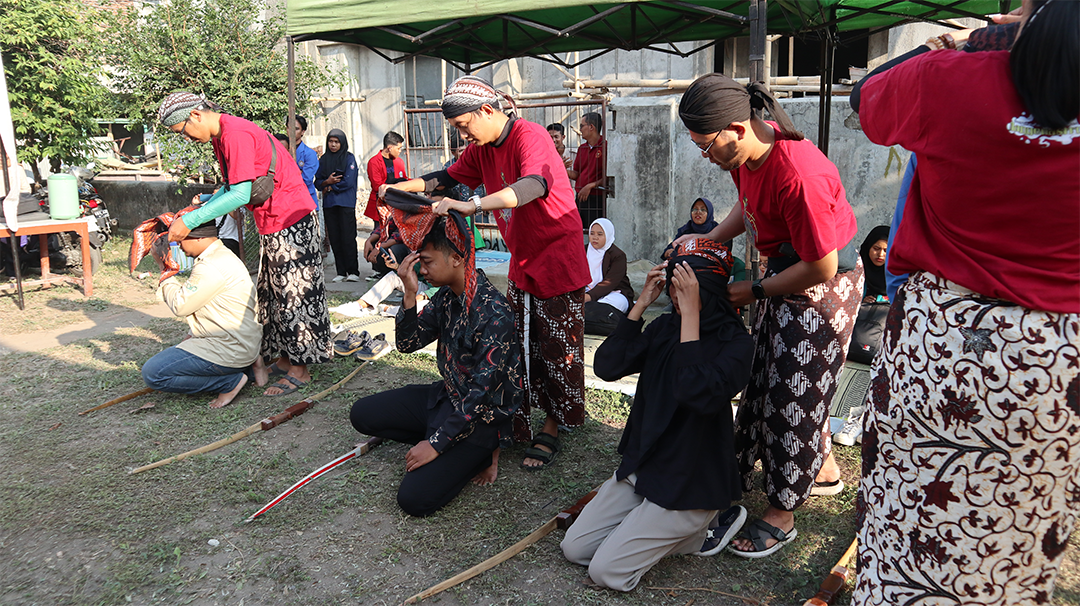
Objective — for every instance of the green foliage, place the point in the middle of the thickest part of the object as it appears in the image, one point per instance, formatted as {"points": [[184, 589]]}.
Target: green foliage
{"points": [[231, 52], [52, 62]]}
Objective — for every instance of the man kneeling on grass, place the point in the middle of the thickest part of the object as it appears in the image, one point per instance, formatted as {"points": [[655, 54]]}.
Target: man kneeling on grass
{"points": [[218, 302], [458, 424], [678, 469]]}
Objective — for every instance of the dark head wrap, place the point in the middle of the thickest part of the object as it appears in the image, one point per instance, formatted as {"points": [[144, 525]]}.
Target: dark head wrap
{"points": [[151, 237], [714, 101], [413, 216], [470, 93], [333, 161], [206, 230], [693, 228], [875, 276]]}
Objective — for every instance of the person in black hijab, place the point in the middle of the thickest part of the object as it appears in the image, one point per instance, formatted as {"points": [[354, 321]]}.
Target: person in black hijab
{"points": [[873, 251], [701, 222], [336, 178], [678, 468]]}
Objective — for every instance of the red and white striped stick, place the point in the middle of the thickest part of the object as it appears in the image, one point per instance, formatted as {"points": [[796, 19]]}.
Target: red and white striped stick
{"points": [[360, 450]]}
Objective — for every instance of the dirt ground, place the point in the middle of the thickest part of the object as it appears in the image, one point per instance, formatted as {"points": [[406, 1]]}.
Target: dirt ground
{"points": [[76, 528]]}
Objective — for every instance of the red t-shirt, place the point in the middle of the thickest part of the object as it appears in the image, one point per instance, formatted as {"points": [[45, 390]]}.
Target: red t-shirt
{"points": [[246, 149], [544, 236], [376, 172], [995, 203], [588, 163], [795, 196]]}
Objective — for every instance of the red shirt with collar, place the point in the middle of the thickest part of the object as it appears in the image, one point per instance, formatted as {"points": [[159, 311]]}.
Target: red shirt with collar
{"points": [[588, 163], [376, 172], [245, 149], [544, 236]]}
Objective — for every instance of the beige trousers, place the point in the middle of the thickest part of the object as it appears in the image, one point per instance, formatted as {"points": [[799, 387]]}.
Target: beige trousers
{"points": [[620, 535]]}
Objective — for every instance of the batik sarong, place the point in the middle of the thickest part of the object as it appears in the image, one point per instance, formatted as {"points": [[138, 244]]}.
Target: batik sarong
{"points": [[801, 342], [552, 333], [971, 451], [292, 295]]}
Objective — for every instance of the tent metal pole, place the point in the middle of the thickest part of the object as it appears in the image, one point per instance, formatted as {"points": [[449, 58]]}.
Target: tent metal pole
{"points": [[828, 54], [292, 95], [758, 29]]}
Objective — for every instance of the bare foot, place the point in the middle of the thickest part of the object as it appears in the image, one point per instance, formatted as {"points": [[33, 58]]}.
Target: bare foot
{"points": [[784, 520], [261, 371], [830, 471], [297, 372], [224, 399], [488, 475]]}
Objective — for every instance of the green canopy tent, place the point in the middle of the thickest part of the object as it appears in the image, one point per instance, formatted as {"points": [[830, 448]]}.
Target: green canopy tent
{"points": [[472, 34]]}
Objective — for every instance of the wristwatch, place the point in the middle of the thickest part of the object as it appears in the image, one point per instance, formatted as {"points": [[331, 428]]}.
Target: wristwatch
{"points": [[476, 203], [758, 290]]}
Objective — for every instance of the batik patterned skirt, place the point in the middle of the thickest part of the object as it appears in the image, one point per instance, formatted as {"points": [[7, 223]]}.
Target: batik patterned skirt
{"points": [[292, 295], [552, 333], [971, 451], [800, 344]]}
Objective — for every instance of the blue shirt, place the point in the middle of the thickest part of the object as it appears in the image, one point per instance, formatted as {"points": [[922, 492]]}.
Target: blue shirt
{"points": [[343, 193], [308, 161], [893, 283]]}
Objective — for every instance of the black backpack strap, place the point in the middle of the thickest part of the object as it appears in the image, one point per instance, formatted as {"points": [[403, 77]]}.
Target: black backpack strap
{"points": [[273, 156]]}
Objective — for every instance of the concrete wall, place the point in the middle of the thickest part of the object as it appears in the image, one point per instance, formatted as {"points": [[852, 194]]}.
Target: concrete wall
{"points": [[132, 202], [659, 172]]}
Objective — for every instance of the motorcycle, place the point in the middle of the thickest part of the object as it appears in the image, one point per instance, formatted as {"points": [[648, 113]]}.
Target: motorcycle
{"points": [[66, 248]]}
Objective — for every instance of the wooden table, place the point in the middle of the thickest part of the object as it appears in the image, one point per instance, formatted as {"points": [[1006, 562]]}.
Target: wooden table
{"points": [[42, 229]]}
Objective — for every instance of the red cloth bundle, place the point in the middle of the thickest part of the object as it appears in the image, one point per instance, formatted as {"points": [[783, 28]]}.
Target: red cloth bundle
{"points": [[151, 237]]}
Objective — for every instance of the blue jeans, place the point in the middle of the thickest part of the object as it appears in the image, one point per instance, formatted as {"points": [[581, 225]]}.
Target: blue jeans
{"points": [[177, 371]]}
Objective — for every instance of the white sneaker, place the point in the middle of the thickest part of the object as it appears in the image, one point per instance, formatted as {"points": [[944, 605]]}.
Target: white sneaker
{"points": [[851, 434], [338, 279], [353, 278]]}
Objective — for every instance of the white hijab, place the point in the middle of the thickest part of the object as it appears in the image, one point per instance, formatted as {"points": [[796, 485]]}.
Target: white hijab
{"points": [[596, 256]]}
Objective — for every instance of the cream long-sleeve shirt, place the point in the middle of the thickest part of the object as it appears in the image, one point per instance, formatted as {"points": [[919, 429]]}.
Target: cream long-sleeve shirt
{"points": [[218, 302]]}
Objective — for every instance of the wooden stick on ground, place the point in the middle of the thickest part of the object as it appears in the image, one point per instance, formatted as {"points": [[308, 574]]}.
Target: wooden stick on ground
{"points": [[834, 584], [130, 396], [264, 425], [563, 520]]}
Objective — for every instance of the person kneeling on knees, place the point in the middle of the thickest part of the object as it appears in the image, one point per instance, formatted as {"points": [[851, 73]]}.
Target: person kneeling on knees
{"points": [[218, 302], [678, 468], [457, 424]]}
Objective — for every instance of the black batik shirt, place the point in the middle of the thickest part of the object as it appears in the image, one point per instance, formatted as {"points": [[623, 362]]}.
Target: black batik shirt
{"points": [[479, 358]]}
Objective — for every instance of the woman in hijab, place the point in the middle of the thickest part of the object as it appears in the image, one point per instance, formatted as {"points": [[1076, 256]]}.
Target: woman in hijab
{"points": [[336, 178], [608, 295], [290, 287], [873, 251], [701, 222], [678, 467]]}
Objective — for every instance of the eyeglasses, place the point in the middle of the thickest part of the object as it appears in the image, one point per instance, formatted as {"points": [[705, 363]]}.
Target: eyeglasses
{"points": [[183, 129], [700, 211], [706, 149]]}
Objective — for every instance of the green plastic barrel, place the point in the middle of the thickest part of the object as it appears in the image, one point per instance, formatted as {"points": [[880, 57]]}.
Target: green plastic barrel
{"points": [[63, 197]]}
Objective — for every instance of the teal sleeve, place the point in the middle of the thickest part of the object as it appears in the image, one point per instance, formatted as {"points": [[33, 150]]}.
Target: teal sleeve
{"points": [[221, 203]]}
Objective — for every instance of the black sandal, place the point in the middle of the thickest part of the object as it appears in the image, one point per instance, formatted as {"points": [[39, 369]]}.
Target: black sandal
{"points": [[545, 457]]}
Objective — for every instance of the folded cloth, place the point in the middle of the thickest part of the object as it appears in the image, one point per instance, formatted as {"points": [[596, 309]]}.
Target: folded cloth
{"points": [[151, 237]]}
